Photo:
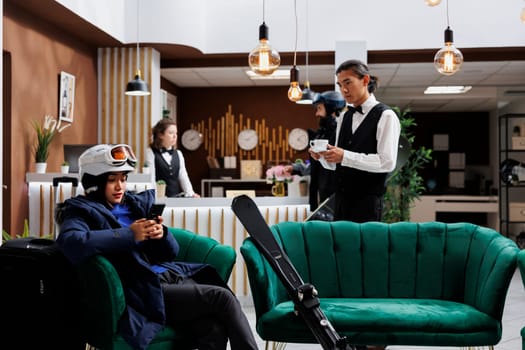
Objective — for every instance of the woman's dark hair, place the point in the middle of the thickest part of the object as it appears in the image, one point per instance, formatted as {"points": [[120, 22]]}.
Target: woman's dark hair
{"points": [[158, 129], [360, 70], [99, 181]]}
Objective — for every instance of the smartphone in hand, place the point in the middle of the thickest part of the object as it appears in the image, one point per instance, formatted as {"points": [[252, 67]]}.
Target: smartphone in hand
{"points": [[156, 211]]}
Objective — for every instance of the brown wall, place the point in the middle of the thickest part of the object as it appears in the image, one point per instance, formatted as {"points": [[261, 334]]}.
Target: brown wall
{"points": [[39, 52], [270, 103]]}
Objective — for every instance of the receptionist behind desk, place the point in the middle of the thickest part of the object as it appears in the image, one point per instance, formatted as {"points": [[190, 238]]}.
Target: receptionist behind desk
{"points": [[167, 162]]}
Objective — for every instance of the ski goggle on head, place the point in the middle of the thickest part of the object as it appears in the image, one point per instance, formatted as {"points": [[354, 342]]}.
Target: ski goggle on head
{"points": [[121, 154]]}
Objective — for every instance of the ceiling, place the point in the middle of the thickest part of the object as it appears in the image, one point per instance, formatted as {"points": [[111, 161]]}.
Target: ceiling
{"points": [[497, 75], [494, 83]]}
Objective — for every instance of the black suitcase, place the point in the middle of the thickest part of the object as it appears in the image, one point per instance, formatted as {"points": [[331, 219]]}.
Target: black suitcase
{"points": [[37, 296]]}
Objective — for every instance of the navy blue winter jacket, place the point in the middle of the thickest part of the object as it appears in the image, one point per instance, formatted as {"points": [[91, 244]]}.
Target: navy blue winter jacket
{"points": [[88, 228]]}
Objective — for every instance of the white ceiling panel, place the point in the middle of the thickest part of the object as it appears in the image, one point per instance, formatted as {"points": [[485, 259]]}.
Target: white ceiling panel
{"points": [[400, 84]]}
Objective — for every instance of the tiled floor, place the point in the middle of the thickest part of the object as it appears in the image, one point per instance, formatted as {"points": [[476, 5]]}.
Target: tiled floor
{"points": [[513, 321]]}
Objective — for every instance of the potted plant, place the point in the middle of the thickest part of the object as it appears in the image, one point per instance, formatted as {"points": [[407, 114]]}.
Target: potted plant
{"points": [[145, 168], [45, 134], [64, 168], [405, 184]]}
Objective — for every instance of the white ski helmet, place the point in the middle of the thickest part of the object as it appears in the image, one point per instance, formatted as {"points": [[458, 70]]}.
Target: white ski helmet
{"points": [[102, 159]]}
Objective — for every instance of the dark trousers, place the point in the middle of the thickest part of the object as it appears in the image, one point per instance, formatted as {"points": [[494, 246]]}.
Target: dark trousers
{"points": [[358, 208], [211, 313]]}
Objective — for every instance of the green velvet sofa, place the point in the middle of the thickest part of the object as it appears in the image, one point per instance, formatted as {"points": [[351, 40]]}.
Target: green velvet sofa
{"points": [[102, 297], [521, 265], [426, 284]]}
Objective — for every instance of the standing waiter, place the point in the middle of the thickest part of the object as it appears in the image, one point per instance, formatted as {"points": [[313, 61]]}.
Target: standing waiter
{"points": [[365, 149]]}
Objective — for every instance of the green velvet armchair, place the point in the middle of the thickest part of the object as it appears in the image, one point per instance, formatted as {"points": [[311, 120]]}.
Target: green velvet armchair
{"points": [[102, 297], [425, 284], [521, 265]]}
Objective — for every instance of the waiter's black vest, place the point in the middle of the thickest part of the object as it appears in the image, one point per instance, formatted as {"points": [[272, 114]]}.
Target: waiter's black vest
{"points": [[168, 172], [351, 180]]}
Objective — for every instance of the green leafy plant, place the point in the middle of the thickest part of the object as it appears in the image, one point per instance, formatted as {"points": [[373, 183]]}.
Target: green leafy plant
{"points": [[65, 164], [45, 134], [6, 236], [405, 185], [161, 182]]}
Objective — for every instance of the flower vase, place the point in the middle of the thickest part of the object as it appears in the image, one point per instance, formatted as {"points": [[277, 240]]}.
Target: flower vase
{"points": [[278, 189], [41, 167], [64, 169]]}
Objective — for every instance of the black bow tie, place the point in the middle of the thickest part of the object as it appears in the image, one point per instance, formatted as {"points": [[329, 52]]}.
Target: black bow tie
{"points": [[352, 110], [165, 150]]}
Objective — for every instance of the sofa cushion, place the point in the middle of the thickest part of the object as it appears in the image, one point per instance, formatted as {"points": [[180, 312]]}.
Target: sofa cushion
{"points": [[392, 320]]}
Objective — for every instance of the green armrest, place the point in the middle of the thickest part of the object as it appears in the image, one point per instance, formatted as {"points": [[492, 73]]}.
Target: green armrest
{"points": [[102, 296], [521, 266]]}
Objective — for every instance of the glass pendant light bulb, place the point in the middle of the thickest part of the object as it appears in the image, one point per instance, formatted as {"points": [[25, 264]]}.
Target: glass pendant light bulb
{"points": [[264, 59], [294, 92], [432, 2], [448, 59], [522, 16]]}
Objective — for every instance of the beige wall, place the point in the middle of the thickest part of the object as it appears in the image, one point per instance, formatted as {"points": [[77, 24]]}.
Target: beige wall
{"points": [[39, 52]]}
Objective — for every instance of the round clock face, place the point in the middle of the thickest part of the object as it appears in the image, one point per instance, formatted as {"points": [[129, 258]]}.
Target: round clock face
{"points": [[298, 139], [191, 139], [247, 139]]}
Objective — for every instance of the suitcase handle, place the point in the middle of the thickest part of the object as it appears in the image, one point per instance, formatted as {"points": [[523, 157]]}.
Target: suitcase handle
{"points": [[72, 180]]}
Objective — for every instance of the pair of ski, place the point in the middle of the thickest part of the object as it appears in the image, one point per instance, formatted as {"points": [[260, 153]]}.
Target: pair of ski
{"points": [[304, 295]]}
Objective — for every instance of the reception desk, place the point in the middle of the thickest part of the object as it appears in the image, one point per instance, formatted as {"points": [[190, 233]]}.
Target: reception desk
{"points": [[427, 208], [211, 217]]}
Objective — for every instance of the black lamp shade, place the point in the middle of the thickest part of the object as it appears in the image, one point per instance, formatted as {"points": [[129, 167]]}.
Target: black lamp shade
{"points": [[137, 87], [263, 31], [449, 35]]}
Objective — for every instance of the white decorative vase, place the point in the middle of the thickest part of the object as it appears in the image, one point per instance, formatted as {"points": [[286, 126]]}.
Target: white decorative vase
{"points": [[64, 169], [145, 170], [161, 191], [41, 167]]}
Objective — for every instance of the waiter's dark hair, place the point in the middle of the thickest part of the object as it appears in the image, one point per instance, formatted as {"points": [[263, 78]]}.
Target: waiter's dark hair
{"points": [[360, 69], [158, 129]]}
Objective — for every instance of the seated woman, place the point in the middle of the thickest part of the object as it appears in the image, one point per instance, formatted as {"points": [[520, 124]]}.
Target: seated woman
{"points": [[111, 221]]}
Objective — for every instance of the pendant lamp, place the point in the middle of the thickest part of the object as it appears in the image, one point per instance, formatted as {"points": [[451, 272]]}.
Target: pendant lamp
{"points": [[432, 3], [308, 94], [264, 59], [137, 86], [294, 92], [448, 59]]}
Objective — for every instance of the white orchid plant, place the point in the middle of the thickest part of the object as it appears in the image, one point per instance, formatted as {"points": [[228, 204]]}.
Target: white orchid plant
{"points": [[45, 134]]}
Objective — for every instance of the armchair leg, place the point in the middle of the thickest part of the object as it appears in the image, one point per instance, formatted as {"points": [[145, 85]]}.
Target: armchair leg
{"points": [[273, 345]]}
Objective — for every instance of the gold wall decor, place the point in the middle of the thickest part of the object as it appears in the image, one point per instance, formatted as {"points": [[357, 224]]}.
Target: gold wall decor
{"points": [[220, 138]]}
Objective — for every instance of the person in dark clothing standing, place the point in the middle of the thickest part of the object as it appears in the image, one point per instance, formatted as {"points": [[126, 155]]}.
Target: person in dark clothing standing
{"points": [[111, 221], [328, 105], [167, 162], [365, 149]]}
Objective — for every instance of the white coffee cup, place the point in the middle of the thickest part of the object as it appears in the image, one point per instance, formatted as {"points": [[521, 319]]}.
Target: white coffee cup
{"points": [[319, 145]]}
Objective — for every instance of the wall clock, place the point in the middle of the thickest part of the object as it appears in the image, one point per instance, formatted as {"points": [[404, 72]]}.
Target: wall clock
{"points": [[298, 139], [191, 139], [248, 139]]}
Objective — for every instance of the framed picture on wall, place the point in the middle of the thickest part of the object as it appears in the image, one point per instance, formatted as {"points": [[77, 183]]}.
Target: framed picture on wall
{"points": [[66, 96]]}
